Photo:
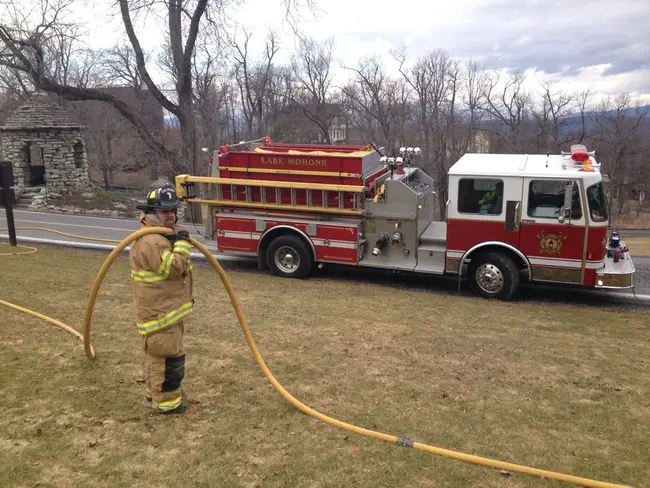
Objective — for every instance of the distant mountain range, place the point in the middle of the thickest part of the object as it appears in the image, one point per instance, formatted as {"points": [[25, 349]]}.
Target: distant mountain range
{"points": [[645, 109], [171, 121], [591, 125]]}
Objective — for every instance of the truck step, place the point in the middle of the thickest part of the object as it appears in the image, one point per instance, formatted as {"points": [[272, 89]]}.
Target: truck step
{"points": [[435, 233], [431, 258], [437, 247]]}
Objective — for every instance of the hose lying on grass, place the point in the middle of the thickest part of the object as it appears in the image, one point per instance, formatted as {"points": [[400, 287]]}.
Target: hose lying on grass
{"points": [[400, 441]]}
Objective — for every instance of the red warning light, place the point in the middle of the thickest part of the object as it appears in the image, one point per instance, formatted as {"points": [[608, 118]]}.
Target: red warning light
{"points": [[579, 152]]}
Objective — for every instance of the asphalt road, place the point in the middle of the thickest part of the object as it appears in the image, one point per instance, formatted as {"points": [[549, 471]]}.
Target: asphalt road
{"points": [[118, 229], [102, 227]]}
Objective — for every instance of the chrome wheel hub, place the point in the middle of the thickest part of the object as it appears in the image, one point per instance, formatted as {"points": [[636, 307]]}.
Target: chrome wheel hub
{"points": [[489, 278], [287, 259]]}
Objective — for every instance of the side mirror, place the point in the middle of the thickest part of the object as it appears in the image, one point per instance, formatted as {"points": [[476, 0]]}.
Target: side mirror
{"points": [[565, 211]]}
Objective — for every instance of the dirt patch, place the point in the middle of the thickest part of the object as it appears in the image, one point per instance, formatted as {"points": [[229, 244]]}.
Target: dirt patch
{"points": [[98, 199]]}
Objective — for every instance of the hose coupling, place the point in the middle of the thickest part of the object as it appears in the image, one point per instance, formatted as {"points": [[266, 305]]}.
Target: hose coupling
{"points": [[404, 442], [380, 244]]}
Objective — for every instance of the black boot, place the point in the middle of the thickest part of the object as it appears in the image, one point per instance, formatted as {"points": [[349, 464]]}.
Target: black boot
{"points": [[183, 408]]}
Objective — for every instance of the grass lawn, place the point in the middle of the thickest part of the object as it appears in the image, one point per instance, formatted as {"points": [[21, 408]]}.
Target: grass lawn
{"points": [[639, 246], [559, 388], [631, 220]]}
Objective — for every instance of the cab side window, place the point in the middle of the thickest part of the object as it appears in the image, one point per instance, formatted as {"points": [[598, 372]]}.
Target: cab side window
{"points": [[546, 198], [482, 196]]}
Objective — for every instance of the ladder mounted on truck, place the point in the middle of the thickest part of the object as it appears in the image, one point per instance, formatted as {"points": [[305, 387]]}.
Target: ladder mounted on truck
{"points": [[289, 177], [271, 194]]}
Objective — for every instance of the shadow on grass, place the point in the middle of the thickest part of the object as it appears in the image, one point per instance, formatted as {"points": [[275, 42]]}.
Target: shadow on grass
{"points": [[448, 285]]}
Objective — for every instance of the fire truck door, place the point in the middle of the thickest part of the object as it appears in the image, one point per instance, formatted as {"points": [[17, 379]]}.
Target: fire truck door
{"points": [[552, 229]]}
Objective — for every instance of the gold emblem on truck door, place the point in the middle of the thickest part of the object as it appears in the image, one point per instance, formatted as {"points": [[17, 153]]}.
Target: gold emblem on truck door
{"points": [[550, 242]]}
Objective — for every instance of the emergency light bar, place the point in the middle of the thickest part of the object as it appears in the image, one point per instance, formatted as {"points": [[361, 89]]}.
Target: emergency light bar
{"points": [[580, 158], [579, 152]]}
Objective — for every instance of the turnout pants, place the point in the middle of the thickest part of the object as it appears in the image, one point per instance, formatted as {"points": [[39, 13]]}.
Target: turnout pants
{"points": [[164, 368]]}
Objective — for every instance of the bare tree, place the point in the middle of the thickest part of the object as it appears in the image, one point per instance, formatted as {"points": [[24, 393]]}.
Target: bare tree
{"points": [[509, 109], [621, 130], [640, 172], [27, 49], [437, 82], [560, 105], [583, 104], [9, 101], [253, 80], [283, 119], [119, 66], [106, 141], [473, 94], [182, 49], [378, 105], [212, 91], [553, 118], [311, 70], [28, 46], [14, 82]]}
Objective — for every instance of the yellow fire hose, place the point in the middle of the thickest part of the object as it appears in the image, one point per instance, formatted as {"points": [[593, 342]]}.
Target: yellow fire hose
{"points": [[90, 353]]}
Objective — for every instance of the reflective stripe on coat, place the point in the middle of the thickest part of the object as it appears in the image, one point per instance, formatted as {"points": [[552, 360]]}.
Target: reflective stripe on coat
{"points": [[162, 280]]}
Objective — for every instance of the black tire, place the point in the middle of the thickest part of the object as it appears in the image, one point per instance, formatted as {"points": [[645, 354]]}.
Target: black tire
{"points": [[493, 275], [282, 264]]}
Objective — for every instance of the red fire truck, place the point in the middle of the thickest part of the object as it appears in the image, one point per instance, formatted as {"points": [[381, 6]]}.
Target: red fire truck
{"points": [[510, 218]]}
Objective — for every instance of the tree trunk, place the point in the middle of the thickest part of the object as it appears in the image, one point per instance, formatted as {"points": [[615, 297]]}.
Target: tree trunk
{"points": [[153, 169], [188, 142]]}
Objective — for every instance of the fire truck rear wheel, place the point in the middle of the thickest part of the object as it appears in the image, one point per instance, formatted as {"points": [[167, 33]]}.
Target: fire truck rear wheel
{"points": [[289, 256], [493, 275]]}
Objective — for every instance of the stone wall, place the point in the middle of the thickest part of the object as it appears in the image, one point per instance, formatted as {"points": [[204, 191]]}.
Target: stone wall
{"points": [[63, 156]]}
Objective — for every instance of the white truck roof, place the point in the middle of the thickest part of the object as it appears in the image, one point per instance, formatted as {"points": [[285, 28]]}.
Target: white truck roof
{"points": [[524, 165]]}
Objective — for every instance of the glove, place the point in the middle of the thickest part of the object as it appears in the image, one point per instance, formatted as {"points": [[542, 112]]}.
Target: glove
{"points": [[171, 237], [183, 235]]}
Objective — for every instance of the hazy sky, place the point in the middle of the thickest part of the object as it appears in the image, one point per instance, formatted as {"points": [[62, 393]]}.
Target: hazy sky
{"points": [[600, 43]]}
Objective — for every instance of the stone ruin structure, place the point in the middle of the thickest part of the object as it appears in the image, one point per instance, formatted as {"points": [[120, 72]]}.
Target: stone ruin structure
{"points": [[46, 147]]}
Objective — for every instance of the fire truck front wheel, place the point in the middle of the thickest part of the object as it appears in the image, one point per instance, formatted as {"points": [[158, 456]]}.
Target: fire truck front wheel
{"points": [[289, 256], [493, 275]]}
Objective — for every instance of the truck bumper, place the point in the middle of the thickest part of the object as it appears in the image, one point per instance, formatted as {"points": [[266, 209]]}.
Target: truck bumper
{"points": [[616, 275]]}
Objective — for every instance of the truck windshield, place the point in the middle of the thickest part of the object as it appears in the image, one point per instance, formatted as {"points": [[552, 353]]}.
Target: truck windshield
{"points": [[597, 202]]}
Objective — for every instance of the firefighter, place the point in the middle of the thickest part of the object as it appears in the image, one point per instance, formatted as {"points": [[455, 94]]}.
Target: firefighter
{"points": [[163, 292], [490, 203]]}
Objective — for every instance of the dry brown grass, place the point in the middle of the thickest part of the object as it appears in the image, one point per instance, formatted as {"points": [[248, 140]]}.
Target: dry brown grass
{"points": [[632, 220], [561, 388], [639, 246]]}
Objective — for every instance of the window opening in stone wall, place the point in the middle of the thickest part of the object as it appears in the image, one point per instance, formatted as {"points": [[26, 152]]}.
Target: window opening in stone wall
{"points": [[36, 164], [78, 153]]}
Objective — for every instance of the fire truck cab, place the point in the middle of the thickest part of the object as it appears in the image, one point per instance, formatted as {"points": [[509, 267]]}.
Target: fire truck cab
{"points": [[511, 218], [544, 214]]}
